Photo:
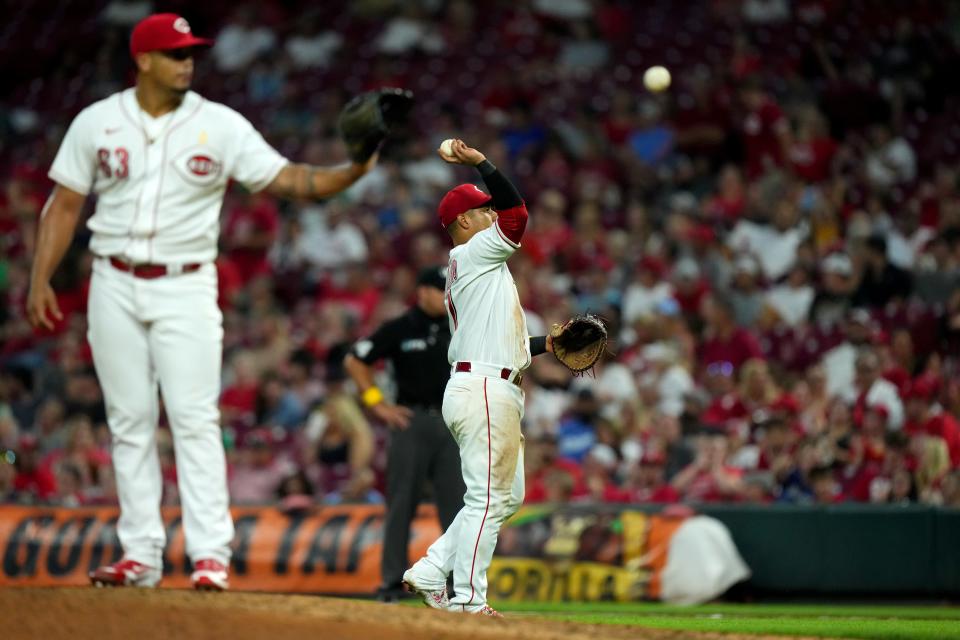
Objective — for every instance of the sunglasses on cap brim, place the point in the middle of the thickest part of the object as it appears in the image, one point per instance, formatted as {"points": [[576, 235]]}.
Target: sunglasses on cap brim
{"points": [[178, 54]]}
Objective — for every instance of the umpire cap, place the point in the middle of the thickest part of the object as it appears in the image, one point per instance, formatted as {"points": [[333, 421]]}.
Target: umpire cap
{"points": [[435, 277]]}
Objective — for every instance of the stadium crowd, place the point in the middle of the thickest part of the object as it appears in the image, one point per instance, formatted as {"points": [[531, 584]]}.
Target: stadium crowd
{"points": [[775, 242]]}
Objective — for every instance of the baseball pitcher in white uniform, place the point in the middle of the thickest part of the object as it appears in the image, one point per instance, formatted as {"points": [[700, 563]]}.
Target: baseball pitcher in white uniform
{"points": [[159, 157], [483, 402]]}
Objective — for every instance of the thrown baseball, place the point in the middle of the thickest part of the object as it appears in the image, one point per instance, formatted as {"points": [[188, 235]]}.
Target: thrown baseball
{"points": [[656, 78], [446, 147]]}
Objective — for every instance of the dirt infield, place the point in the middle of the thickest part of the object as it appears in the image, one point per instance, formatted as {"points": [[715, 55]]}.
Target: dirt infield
{"points": [[168, 614]]}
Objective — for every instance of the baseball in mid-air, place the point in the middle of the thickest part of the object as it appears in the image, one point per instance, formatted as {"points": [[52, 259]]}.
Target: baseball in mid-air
{"points": [[446, 147], [656, 78]]}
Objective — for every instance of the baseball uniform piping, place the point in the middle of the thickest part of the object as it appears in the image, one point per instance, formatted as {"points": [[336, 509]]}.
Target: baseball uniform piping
{"points": [[143, 186], [453, 309], [473, 563], [163, 172], [504, 236]]}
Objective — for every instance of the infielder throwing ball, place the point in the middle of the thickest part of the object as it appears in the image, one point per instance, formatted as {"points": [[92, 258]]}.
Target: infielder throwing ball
{"points": [[159, 157], [483, 402]]}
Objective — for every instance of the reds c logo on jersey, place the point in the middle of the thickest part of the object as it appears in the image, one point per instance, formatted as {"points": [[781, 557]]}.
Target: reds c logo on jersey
{"points": [[199, 165]]}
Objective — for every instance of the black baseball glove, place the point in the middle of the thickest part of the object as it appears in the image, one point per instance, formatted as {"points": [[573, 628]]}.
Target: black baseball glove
{"points": [[579, 342], [366, 120]]}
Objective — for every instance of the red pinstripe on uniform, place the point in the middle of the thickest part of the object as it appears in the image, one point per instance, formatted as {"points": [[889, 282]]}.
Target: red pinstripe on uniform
{"points": [[453, 309], [473, 563]]}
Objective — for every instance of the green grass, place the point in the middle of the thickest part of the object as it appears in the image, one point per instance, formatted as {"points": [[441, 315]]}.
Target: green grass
{"points": [[828, 621]]}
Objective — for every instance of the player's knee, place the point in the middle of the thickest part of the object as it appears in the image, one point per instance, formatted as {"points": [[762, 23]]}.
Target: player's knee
{"points": [[132, 423], [188, 419]]}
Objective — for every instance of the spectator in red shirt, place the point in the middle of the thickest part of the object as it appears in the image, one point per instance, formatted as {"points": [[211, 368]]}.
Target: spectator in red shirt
{"points": [[547, 472], [709, 478], [33, 481], [250, 230], [766, 130], [689, 288], [924, 417], [238, 402], [727, 204], [646, 481], [723, 340], [811, 153]]}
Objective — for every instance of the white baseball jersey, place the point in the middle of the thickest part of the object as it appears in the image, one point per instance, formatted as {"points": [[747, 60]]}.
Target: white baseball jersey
{"points": [[487, 323], [160, 182]]}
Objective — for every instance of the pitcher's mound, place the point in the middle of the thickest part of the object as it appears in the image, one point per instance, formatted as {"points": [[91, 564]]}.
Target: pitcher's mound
{"points": [[167, 614]]}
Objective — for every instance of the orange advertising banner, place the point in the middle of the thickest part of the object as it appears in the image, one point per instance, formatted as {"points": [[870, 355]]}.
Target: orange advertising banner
{"points": [[333, 549]]}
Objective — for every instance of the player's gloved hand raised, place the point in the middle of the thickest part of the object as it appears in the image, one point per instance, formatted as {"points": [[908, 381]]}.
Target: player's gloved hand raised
{"points": [[42, 307], [395, 416], [462, 154]]}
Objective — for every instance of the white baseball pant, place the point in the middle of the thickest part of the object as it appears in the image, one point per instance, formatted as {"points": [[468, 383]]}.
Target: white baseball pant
{"points": [[166, 331], [483, 414]]}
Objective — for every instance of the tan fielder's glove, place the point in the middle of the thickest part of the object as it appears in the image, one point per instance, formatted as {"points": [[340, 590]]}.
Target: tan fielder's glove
{"points": [[579, 342]]}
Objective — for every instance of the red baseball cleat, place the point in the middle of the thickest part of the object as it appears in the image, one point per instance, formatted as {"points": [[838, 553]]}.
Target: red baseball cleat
{"points": [[126, 573], [210, 575]]}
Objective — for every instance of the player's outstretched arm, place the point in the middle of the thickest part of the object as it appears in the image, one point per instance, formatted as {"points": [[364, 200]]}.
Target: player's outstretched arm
{"points": [[58, 221], [309, 182]]}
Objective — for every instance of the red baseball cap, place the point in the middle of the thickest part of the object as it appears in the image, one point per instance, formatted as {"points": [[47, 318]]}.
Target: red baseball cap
{"points": [[460, 199], [163, 31]]}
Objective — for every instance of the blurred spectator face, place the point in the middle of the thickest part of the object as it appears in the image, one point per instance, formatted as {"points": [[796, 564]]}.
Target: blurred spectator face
{"points": [[273, 390], [874, 422], [8, 431], [808, 455], [901, 343], [901, 488], [559, 486], [799, 277], [752, 97], [785, 215], [69, 480], [916, 409], [81, 434], [777, 438], [745, 275], [666, 428], [817, 381], [823, 486], [756, 488], [715, 450], [586, 405], [650, 474], [755, 377], [859, 329], [839, 417], [867, 369], [950, 490], [7, 474]]}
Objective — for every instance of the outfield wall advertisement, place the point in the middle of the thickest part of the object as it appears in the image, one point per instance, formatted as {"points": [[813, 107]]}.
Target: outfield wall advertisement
{"points": [[543, 553]]}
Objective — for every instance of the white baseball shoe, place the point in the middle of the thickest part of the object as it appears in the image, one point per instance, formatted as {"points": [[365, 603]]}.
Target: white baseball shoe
{"points": [[433, 598], [481, 610], [210, 575], [126, 573]]}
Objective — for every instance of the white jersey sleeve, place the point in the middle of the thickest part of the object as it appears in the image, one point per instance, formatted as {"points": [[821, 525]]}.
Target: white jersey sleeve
{"points": [[490, 247], [76, 163], [256, 163]]}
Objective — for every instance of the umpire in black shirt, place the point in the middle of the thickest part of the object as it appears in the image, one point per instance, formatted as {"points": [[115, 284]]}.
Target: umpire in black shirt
{"points": [[421, 447]]}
